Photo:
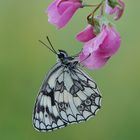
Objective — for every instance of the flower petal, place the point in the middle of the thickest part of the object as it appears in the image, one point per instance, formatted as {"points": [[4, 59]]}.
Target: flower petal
{"points": [[117, 10], [93, 44], [92, 62], [67, 15], [61, 11], [98, 50], [86, 35], [53, 14], [111, 43]]}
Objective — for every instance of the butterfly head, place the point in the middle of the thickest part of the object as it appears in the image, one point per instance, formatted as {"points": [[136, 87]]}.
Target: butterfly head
{"points": [[64, 58], [62, 55]]}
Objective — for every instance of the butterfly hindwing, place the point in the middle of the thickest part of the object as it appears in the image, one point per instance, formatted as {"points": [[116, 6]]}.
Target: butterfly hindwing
{"points": [[80, 99], [66, 96], [46, 116]]}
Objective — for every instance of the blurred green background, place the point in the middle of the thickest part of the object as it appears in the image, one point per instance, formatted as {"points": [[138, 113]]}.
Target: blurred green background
{"points": [[24, 62]]}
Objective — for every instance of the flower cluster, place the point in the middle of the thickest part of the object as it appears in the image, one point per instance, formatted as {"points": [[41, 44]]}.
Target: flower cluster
{"points": [[100, 38]]}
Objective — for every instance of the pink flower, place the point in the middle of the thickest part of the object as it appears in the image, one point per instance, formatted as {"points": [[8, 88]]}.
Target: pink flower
{"points": [[86, 34], [98, 50], [116, 8], [61, 11]]}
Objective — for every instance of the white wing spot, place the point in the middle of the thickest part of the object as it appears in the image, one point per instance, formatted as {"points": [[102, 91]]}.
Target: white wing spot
{"points": [[55, 112], [36, 115], [51, 81], [77, 101], [48, 89], [54, 125], [68, 81], [92, 84], [61, 97], [37, 123], [72, 106], [88, 91], [97, 99], [81, 95], [71, 118], [66, 96], [45, 101], [60, 79], [59, 122], [47, 121], [56, 95], [42, 126], [63, 115], [86, 114], [80, 118], [49, 127], [93, 108], [41, 116], [42, 100], [39, 96]]}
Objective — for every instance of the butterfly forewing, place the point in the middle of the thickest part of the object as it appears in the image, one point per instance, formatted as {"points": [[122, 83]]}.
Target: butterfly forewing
{"points": [[66, 96]]}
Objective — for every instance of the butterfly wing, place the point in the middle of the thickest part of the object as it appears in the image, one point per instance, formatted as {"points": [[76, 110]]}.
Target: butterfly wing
{"points": [[46, 116], [80, 98], [66, 96]]}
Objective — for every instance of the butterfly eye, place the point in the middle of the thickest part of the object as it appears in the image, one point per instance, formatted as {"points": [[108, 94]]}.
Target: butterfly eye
{"points": [[62, 55]]}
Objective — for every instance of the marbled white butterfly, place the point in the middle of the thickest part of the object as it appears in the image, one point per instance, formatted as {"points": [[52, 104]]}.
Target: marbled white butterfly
{"points": [[67, 95]]}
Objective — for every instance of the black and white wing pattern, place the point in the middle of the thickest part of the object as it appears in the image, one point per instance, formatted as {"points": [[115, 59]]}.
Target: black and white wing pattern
{"points": [[66, 97]]}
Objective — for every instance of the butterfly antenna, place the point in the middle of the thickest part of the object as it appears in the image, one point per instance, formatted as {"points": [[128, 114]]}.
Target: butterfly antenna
{"points": [[51, 44], [47, 46]]}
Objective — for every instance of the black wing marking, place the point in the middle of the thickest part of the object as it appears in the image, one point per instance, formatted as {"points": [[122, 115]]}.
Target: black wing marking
{"points": [[66, 97]]}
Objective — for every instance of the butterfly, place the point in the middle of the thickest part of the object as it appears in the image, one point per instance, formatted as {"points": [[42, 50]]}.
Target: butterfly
{"points": [[68, 95]]}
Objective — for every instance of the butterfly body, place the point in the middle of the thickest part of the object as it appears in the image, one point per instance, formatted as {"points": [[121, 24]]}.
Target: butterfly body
{"points": [[67, 96]]}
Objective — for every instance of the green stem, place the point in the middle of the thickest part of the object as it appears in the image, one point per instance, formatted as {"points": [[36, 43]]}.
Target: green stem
{"points": [[98, 6], [102, 9], [91, 15]]}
